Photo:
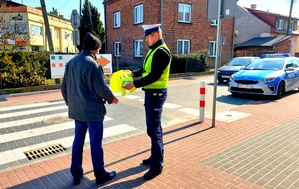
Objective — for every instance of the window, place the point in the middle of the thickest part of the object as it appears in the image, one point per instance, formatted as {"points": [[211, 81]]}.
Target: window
{"points": [[117, 49], [20, 48], [56, 34], [183, 46], [36, 30], [214, 22], [279, 24], [35, 48], [66, 35], [16, 27], [138, 14], [184, 13], [212, 48], [296, 63], [138, 48], [116, 20], [291, 28]]}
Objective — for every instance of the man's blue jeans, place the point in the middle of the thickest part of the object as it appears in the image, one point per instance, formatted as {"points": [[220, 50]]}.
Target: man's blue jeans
{"points": [[153, 103], [95, 129]]}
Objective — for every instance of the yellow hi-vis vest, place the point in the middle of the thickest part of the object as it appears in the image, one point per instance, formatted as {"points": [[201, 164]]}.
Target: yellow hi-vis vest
{"points": [[162, 82]]}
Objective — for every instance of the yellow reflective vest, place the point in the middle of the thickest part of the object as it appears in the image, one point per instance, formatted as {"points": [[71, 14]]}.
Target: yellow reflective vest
{"points": [[162, 82]]}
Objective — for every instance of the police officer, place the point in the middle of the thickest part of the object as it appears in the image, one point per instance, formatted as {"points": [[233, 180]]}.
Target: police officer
{"points": [[154, 81]]}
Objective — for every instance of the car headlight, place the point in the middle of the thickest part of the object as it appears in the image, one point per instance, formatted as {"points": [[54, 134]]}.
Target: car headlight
{"points": [[232, 77], [268, 79]]}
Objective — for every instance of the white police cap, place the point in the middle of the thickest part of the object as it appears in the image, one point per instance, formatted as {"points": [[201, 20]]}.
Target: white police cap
{"points": [[148, 29]]}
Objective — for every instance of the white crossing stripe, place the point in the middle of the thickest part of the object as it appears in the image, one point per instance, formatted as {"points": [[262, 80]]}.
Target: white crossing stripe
{"points": [[170, 105], [50, 129], [132, 97], [116, 130], [36, 132], [190, 111], [32, 111], [166, 104], [30, 120], [37, 119], [6, 108]]}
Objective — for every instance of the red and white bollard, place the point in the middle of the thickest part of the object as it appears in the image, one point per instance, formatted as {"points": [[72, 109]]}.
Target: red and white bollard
{"points": [[202, 92]]}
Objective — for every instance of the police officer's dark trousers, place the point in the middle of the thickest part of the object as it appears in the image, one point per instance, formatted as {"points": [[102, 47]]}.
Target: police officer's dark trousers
{"points": [[153, 111]]}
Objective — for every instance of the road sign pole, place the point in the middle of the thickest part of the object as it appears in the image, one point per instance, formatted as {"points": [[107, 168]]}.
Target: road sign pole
{"points": [[216, 62], [75, 21]]}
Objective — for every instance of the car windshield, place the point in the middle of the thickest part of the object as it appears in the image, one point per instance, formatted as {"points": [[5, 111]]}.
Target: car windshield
{"points": [[263, 64], [239, 61]]}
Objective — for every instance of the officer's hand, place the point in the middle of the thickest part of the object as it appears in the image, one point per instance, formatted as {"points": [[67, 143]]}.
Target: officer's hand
{"points": [[129, 85]]}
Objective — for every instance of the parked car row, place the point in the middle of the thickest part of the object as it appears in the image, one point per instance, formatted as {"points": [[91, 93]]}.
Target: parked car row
{"points": [[271, 74]]}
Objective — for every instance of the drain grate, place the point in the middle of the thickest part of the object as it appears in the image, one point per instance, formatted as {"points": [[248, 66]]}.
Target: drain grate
{"points": [[45, 151]]}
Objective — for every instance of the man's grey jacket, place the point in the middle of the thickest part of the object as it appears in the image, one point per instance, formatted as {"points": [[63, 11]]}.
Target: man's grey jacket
{"points": [[84, 89]]}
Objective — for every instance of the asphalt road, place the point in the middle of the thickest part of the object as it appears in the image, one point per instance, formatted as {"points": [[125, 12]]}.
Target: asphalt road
{"points": [[30, 126]]}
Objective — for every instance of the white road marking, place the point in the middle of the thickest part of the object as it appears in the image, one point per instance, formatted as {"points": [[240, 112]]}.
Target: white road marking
{"points": [[171, 106], [32, 111], [190, 111], [30, 105]]}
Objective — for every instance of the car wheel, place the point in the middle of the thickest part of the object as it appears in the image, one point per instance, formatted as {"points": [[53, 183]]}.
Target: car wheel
{"points": [[280, 90], [235, 94]]}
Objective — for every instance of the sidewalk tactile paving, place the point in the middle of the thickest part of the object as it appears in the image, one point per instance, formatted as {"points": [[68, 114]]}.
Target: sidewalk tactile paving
{"points": [[266, 159]]}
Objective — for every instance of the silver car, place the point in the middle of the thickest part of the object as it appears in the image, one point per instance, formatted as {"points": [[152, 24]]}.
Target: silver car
{"points": [[233, 66]]}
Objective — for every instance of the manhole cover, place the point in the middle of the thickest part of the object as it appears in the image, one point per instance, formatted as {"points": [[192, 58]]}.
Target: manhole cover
{"points": [[230, 116], [45, 151]]}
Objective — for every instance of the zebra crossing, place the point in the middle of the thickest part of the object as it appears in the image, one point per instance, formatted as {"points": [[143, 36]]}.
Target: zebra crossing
{"points": [[32, 126]]}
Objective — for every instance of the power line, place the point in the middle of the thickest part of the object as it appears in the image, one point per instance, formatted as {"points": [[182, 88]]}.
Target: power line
{"points": [[63, 5]]}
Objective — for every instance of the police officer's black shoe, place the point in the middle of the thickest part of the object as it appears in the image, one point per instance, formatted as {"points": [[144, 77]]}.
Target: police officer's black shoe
{"points": [[106, 178], [151, 174], [77, 181], [146, 161]]}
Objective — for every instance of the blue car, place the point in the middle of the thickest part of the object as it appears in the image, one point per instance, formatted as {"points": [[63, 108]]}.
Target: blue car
{"points": [[273, 74], [233, 66]]}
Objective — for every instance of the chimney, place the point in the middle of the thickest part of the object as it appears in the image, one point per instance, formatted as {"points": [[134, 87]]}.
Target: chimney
{"points": [[253, 6]]}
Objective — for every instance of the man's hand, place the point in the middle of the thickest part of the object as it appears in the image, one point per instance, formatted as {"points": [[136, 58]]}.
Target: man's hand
{"points": [[115, 100], [129, 86]]}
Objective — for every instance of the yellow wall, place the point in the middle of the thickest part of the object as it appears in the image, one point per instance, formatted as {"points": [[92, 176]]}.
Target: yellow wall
{"points": [[34, 17]]}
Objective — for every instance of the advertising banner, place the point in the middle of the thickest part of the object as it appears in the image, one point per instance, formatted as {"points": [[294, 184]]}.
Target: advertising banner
{"points": [[58, 63]]}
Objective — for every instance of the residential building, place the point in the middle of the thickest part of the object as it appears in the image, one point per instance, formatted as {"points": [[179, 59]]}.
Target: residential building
{"points": [[258, 32], [184, 23], [23, 28]]}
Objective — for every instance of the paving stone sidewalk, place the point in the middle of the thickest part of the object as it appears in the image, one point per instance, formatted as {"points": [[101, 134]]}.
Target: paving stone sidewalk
{"points": [[257, 151]]}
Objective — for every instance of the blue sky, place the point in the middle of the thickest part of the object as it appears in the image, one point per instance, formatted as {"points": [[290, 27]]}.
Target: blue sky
{"points": [[65, 7]]}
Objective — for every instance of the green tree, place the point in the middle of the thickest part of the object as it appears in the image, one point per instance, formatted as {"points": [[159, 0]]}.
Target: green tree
{"points": [[90, 13], [7, 68]]}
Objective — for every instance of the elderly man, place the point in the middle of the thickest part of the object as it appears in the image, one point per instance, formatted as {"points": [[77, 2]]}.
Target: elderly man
{"points": [[85, 93]]}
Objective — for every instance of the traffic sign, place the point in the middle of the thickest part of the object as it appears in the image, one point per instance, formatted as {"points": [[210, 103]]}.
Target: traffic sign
{"points": [[228, 9], [75, 19]]}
